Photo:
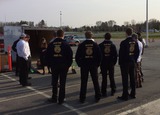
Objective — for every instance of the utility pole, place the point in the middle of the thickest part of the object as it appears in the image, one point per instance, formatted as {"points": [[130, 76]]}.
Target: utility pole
{"points": [[147, 43], [60, 19]]}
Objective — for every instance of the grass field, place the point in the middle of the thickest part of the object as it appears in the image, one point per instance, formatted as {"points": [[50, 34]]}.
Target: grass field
{"points": [[116, 35], [121, 35]]}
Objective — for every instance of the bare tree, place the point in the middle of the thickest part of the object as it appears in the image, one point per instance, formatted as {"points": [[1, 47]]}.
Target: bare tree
{"points": [[98, 23], [154, 24], [133, 22], [126, 23], [111, 23], [41, 24]]}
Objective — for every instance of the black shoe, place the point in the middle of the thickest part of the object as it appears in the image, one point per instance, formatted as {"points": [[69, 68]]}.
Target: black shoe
{"points": [[16, 74], [81, 100], [122, 98], [104, 94], [29, 77], [60, 102], [28, 84], [51, 100], [97, 100], [132, 97], [113, 92]]}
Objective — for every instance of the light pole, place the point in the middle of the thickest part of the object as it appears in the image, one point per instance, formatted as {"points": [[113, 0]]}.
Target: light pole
{"points": [[147, 43], [60, 19]]}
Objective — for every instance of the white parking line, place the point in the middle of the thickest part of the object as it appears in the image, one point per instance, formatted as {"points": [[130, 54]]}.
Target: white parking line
{"points": [[36, 91], [19, 97], [47, 96], [151, 107]]}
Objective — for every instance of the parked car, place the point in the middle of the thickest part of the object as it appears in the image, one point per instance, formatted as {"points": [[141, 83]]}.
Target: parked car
{"points": [[73, 39], [80, 38]]}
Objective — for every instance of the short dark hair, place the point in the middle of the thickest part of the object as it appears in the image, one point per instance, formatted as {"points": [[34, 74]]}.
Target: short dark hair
{"points": [[88, 34], [60, 33], [129, 31], [139, 34], [135, 36], [107, 36]]}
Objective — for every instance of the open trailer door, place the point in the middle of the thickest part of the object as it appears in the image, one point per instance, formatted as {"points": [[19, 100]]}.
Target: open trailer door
{"points": [[36, 34]]}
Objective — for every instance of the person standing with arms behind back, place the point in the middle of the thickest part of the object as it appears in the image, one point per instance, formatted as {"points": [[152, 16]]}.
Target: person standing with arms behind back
{"points": [[15, 50], [59, 54], [109, 59], [23, 51], [88, 58], [128, 55]]}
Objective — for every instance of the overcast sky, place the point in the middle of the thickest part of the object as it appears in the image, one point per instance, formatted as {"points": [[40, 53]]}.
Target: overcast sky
{"points": [[76, 13]]}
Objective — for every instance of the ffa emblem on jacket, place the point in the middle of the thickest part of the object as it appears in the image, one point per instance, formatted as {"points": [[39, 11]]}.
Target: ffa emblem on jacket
{"points": [[89, 51], [132, 47], [57, 49], [107, 49]]}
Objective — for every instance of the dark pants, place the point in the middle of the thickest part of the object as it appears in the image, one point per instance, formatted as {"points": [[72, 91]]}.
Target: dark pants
{"points": [[84, 79], [17, 65], [109, 68], [29, 64], [60, 71], [128, 69], [23, 71], [44, 63]]}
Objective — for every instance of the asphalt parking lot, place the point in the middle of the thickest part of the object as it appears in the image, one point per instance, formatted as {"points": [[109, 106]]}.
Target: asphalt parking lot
{"points": [[32, 100]]}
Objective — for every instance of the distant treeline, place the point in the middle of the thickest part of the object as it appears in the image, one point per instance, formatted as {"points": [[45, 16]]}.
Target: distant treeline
{"points": [[111, 26]]}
